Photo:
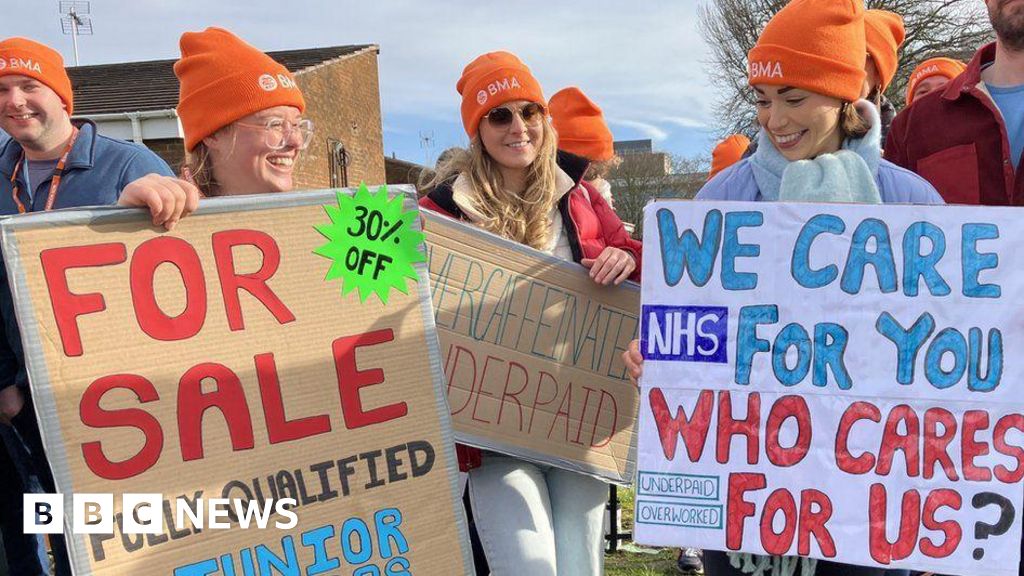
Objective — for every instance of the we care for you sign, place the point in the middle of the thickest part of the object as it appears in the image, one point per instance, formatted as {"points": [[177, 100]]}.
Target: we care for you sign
{"points": [[833, 381]]}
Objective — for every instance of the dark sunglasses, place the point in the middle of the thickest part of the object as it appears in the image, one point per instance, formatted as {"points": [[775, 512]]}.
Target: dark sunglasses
{"points": [[502, 116]]}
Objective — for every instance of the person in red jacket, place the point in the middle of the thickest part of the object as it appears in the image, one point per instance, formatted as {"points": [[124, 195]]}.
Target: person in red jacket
{"points": [[884, 34], [512, 182], [967, 138], [932, 75]]}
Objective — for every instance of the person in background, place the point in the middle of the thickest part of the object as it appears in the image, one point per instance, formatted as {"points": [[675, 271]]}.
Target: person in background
{"points": [[932, 75], [884, 34], [582, 131], [728, 152], [967, 138]]}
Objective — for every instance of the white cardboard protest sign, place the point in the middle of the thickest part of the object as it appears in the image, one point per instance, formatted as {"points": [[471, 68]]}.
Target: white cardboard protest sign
{"points": [[833, 381]]}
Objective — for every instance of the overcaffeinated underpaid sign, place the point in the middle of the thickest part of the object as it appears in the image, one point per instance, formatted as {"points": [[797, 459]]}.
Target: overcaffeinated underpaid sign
{"points": [[532, 352], [218, 362], [834, 381]]}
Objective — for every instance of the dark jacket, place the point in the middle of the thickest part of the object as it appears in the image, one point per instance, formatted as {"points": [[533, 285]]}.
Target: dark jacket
{"points": [[956, 139], [98, 168]]}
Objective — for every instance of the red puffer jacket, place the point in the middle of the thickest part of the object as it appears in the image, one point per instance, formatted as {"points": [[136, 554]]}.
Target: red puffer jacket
{"points": [[590, 225]]}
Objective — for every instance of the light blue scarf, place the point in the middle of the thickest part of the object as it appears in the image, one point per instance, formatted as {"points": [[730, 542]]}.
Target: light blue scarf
{"points": [[844, 176]]}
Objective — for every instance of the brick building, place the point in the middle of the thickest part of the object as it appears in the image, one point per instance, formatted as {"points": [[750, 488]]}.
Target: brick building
{"points": [[136, 101]]}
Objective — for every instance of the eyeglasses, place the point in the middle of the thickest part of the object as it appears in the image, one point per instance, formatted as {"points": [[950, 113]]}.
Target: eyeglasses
{"points": [[278, 131], [502, 116]]}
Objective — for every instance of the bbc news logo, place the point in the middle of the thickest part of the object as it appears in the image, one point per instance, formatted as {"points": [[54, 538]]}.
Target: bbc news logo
{"points": [[144, 514], [685, 333]]}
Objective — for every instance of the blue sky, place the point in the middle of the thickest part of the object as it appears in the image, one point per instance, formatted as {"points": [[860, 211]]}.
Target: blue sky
{"points": [[643, 65]]}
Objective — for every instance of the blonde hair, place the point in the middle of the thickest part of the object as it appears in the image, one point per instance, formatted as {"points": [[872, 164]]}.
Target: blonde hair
{"points": [[521, 217], [198, 166]]}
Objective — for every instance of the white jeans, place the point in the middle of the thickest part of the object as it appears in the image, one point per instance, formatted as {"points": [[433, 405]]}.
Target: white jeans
{"points": [[538, 520]]}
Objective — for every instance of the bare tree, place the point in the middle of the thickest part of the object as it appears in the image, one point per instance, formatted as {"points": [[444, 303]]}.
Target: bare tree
{"points": [[952, 28], [643, 177]]}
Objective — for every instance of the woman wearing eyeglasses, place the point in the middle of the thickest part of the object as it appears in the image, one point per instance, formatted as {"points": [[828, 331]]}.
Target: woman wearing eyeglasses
{"points": [[242, 116], [531, 519]]}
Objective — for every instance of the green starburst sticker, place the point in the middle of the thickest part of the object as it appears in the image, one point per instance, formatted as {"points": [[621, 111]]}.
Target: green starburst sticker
{"points": [[371, 243]]}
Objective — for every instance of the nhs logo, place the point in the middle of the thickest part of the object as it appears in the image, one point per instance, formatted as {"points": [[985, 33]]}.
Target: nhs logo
{"points": [[685, 333]]}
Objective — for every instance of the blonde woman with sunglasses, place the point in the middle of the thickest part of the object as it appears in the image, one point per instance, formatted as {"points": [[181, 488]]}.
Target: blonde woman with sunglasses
{"points": [[531, 519], [242, 116]]}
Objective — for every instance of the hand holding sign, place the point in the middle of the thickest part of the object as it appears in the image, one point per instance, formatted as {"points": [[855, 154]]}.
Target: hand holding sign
{"points": [[613, 265]]}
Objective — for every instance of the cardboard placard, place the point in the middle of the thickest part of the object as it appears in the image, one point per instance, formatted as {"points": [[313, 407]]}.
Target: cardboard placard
{"points": [[215, 360], [834, 381], [532, 352]]}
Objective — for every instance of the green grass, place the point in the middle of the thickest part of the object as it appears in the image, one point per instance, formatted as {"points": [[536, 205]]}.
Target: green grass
{"points": [[633, 560], [626, 503], [626, 563]]}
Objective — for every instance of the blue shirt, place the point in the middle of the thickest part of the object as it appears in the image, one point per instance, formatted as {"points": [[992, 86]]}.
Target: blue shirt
{"points": [[39, 173], [97, 170], [1010, 101]]}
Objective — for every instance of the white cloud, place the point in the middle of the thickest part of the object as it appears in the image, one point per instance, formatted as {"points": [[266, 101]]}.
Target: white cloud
{"points": [[684, 122], [649, 130]]}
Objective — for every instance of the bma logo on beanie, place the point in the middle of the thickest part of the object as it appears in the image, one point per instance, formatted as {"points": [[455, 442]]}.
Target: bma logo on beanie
{"points": [[933, 69], [768, 69], [285, 81], [267, 82], [20, 64], [497, 87]]}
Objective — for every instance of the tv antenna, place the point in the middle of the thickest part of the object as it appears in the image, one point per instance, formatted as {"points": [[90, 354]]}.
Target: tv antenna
{"points": [[427, 142], [75, 20]]}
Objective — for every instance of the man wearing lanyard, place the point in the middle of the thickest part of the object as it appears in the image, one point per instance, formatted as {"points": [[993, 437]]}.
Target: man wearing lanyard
{"points": [[50, 163]]}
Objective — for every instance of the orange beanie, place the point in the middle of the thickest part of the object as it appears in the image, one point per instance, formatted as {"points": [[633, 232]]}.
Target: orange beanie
{"points": [[580, 125], [492, 80], [23, 57], [727, 153], [224, 79], [815, 45], [947, 67], [884, 34]]}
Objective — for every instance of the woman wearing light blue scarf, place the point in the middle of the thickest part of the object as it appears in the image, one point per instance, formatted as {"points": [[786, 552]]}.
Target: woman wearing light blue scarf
{"points": [[817, 143], [852, 172], [811, 148]]}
